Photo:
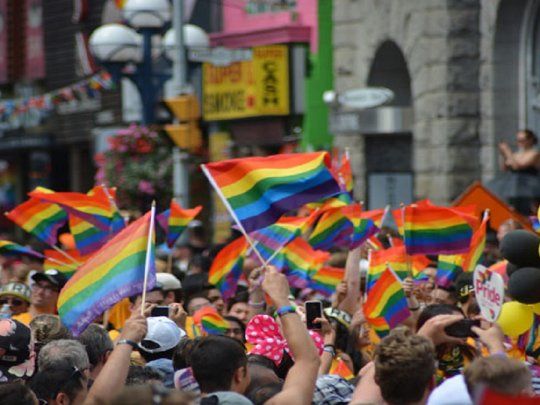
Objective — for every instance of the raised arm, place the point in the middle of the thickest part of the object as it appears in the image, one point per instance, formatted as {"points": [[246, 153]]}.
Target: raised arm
{"points": [[300, 381], [351, 302]]}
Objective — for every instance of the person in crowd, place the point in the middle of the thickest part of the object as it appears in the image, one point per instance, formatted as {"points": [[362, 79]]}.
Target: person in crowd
{"points": [[46, 328], [98, 347], [195, 302], [464, 287], [16, 295], [62, 352], [156, 296], [17, 393], [443, 295], [239, 308], [140, 375], [44, 295], [157, 347], [150, 394], [216, 299], [17, 356], [63, 384], [237, 329], [171, 286]]}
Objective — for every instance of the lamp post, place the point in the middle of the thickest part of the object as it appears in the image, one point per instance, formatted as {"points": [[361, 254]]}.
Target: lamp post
{"points": [[130, 52]]}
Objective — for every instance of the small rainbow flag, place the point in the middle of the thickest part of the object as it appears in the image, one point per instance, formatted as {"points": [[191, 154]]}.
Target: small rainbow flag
{"points": [[227, 266], [476, 250], [175, 220], [210, 321], [500, 268], [8, 248], [333, 229], [339, 367], [63, 263], [448, 268], [95, 208], [326, 279], [117, 222], [41, 219], [259, 190], [379, 326], [114, 272], [302, 261], [435, 230], [88, 238], [363, 228], [387, 300]]}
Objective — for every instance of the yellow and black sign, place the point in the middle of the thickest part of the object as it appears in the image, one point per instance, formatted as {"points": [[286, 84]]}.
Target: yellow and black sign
{"points": [[248, 88]]}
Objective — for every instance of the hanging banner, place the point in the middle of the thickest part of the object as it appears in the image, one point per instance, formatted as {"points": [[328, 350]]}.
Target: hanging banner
{"points": [[256, 87], [35, 52], [3, 41]]}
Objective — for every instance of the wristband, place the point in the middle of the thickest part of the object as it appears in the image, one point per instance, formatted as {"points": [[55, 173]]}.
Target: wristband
{"points": [[286, 309], [256, 304], [127, 342], [330, 350], [416, 308]]}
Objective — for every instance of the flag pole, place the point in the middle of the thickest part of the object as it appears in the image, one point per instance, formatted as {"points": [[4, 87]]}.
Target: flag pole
{"points": [[409, 265], [231, 211], [149, 242]]}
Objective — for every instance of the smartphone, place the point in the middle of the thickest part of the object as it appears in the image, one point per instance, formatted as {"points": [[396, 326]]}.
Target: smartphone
{"points": [[160, 311], [462, 328], [313, 311]]}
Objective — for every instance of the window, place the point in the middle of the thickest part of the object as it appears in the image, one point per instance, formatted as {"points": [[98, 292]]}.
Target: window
{"points": [[269, 6]]}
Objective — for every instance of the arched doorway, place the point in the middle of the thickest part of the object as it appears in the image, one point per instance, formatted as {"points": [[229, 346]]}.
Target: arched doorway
{"points": [[389, 141]]}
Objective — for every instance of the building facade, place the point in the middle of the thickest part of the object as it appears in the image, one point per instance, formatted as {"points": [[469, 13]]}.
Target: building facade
{"points": [[465, 77]]}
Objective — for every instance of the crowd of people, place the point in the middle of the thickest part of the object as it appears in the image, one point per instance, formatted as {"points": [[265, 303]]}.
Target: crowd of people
{"points": [[266, 354]]}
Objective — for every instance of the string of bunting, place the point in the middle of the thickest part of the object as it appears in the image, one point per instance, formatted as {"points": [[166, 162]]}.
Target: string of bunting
{"points": [[44, 104]]}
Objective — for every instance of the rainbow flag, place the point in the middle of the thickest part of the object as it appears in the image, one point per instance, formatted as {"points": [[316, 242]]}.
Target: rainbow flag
{"points": [[500, 268], [210, 321], [41, 219], [227, 266], [175, 220], [319, 207], [259, 190], [117, 222], [363, 228], [397, 259], [301, 262], [387, 300], [326, 279], [88, 238], [95, 208], [114, 272], [435, 230], [62, 263], [345, 172], [339, 367], [333, 229], [8, 248], [448, 268], [476, 250], [379, 326]]}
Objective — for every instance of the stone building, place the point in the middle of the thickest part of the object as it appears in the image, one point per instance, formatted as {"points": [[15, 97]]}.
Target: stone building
{"points": [[466, 75]]}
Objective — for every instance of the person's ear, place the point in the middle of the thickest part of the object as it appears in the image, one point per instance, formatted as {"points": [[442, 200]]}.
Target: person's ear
{"points": [[62, 399]]}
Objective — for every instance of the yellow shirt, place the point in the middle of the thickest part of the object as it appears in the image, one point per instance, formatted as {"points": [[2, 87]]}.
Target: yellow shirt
{"points": [[25, 318]]}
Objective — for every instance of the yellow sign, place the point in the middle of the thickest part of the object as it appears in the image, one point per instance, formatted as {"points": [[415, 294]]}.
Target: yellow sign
{"points": [[249, 88]]}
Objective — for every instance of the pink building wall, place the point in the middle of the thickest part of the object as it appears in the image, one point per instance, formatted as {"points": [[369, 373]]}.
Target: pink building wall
{"points": [[241, 29]]}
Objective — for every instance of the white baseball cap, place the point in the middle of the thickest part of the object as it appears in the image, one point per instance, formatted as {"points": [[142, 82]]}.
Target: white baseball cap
{"points": [[163, 334], [168, 281]]}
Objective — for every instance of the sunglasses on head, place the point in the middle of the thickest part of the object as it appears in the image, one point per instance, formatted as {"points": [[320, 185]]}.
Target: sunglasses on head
{"points": [[11, 301]]}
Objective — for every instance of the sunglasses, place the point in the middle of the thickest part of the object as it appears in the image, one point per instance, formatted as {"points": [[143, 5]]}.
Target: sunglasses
{"points": [[11, 301]]}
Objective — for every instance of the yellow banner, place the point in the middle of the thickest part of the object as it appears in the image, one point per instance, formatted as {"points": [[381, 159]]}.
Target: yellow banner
{"points": [[249, 88]]}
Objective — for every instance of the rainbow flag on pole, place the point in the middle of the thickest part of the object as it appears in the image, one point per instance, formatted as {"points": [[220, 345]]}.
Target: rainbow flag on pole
{"points": [[435, 230], [478, 243], [8, 248], [88, 238], [333, 229], [227, 266], [259, 190], [116, 271], [326, 279], [302, 261], [175, 220], [448, 269], [387, 300], [41, 219]]}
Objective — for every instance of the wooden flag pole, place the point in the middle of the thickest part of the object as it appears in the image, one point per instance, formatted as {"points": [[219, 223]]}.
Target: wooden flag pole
{"points": [[148, 254]]}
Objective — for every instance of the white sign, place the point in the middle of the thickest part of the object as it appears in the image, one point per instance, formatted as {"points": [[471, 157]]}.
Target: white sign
{"points": [[489, 292], [368, 97], [219, 56]]}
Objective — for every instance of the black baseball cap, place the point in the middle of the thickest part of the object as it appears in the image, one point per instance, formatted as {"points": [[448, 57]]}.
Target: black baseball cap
{"points": [[53, 276]]}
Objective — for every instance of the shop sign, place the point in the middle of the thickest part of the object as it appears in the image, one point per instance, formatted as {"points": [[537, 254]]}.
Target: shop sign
{"points": [[219, 56], [257, 87], [368, 97]]}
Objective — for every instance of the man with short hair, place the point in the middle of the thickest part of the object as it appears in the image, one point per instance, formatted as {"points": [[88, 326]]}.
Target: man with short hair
{"points": [[444, 295], [62, 352], [63, 385], [44, 297], [172, 288], [155, 296], [500, 374], [16, 295], [219, 364], [98, 346]]}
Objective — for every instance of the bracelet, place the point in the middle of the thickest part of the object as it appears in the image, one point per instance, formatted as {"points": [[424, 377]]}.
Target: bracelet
{"points": [[127, 342], [415, 308], [286, 309], [329, 349], [256, 304]]}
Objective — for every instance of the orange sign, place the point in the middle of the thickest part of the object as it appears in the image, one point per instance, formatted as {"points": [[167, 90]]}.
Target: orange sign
{"points": [[499, 211]]}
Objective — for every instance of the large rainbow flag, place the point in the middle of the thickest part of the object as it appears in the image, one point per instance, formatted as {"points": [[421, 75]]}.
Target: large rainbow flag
{"points": [[116, 271], [387, 300], [435, 230], [175, 220], [476, 250], [259, 190], [8, 248], [94, 208], [41, 219], [227, 266]]}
